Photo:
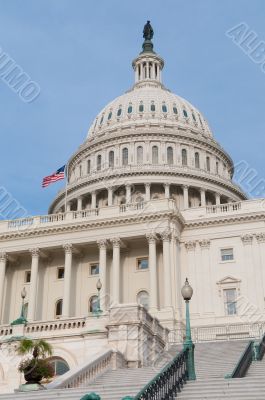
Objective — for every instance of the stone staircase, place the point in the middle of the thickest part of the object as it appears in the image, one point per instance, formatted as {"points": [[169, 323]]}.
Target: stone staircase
{"points": [[213, 362], [111, 385]]}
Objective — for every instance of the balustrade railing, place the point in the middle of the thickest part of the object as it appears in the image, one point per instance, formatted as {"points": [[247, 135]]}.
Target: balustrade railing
{"points": [[244, 362], [168, 382], [223, 208], [219, 333], [58, 325]]}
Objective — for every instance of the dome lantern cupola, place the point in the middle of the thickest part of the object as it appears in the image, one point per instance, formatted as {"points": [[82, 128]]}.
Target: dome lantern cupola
{"points": [[148, 65]]}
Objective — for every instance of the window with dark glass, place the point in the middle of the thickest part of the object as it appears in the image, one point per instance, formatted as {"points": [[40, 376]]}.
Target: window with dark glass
{"points": [[27, 276], [208, 164], [194, 118], [170, 155], [119, 112], [139, 154], [164, 108], [130, 109], [142, 263], [197, 160], [102, 118], [93, 304], [60, 366], [141, 108], [110, 115], [230, 301], [94, 269], [153, 107], [125, 156], [111, 159], [60, 273], [88, 166], [185, 113], [99, 162], [184, 157], [154, 155], [59, 308], [175, 110]]}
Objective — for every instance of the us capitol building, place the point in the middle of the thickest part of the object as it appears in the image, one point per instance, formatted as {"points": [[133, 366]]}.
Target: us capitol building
{"points": [[150, 201]]}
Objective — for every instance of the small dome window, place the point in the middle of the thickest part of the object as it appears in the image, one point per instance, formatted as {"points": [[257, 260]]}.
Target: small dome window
{"points": [[194, 118], [185, 113], [130, 109], [141, 108], [119, 112], [101, 119], [153, 107], [164, 108], [175, 110], [110, 115]]}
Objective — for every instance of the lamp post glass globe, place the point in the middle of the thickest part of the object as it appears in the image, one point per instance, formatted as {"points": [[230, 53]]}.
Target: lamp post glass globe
{"points": [[23, 293], [99, 285], [187, 291]]}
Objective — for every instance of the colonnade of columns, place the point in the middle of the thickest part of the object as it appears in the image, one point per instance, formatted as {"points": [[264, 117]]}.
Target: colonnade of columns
{"points": [[128, 187], [116, 295]]}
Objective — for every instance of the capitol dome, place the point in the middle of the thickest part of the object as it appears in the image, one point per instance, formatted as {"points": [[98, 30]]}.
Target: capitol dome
{"points": [[148, 144]]}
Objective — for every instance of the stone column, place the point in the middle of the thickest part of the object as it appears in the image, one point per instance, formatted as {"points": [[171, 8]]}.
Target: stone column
{"points": [[93, 199], [167, 275], [192, 274], [110, 196], [116, 270], [247, 241], [203, 198], [102, 244], [153, 289], [35, 254], [128, 194], [260, 277], [205, 283], [217, 199], [79, 203], [3, 261], [186, 196], [147, 192], [67, 280], [167, 186]]}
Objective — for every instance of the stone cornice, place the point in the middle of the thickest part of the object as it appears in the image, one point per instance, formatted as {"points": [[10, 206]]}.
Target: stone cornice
{"points": [[229, 219], [97, 223]]}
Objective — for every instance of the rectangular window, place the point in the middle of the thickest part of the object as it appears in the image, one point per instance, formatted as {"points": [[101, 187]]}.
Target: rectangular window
{"points": [[60, 273], [227, 254], [142, 263], [94, 269], [27, 276], [230, 301]]}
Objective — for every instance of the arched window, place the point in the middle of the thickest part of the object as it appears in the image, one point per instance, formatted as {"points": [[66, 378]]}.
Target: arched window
{"points": [[110, 115], [59, 365], [80, 170], [119, 112], [125, 156], [184, 157], [141, 108], [217, 167], [197, 160], [164, 108], [58, 308], [139, 154], [143, 298], [111, 159], [194, 118], [170, 155], [185, 113], [153, 107], [99, 162], [175, 110], [88, 166], [154, 155], [208, 165], [102, 118], [130, 109], [93, 304]]}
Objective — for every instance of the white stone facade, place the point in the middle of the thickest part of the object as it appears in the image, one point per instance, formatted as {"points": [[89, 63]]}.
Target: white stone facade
{"points": [[150, 201]]}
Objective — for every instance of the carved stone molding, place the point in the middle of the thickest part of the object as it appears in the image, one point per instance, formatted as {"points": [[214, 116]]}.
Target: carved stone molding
{"points": [[35, 252], [205, 243], [151, 237], [68, 248], [3, 256], [102, 243], [191, 245], [166, 235], [116, 242], [247, 239], [260, 237]]}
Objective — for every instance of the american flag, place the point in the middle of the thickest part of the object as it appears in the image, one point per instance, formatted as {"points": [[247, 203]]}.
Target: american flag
{"points": [[56, 176]]}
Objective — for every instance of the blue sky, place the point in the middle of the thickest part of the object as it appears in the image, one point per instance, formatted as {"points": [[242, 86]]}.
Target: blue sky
{"points": [[80, 53]]}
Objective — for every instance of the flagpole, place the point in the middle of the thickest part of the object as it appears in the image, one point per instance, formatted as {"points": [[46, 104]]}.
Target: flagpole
{"points": [[66, 188]]}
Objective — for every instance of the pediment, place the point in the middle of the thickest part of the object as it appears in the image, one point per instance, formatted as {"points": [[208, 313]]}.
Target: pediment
{"points": [[228, 280]]}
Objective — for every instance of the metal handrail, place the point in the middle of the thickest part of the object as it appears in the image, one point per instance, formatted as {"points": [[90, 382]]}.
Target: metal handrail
{"points": [[244, 362], [261, 349], [168, 382]]}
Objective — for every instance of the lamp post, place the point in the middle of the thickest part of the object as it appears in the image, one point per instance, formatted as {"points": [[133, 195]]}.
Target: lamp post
{"points": [[99, 286], [22, 319], [187, 293]]}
